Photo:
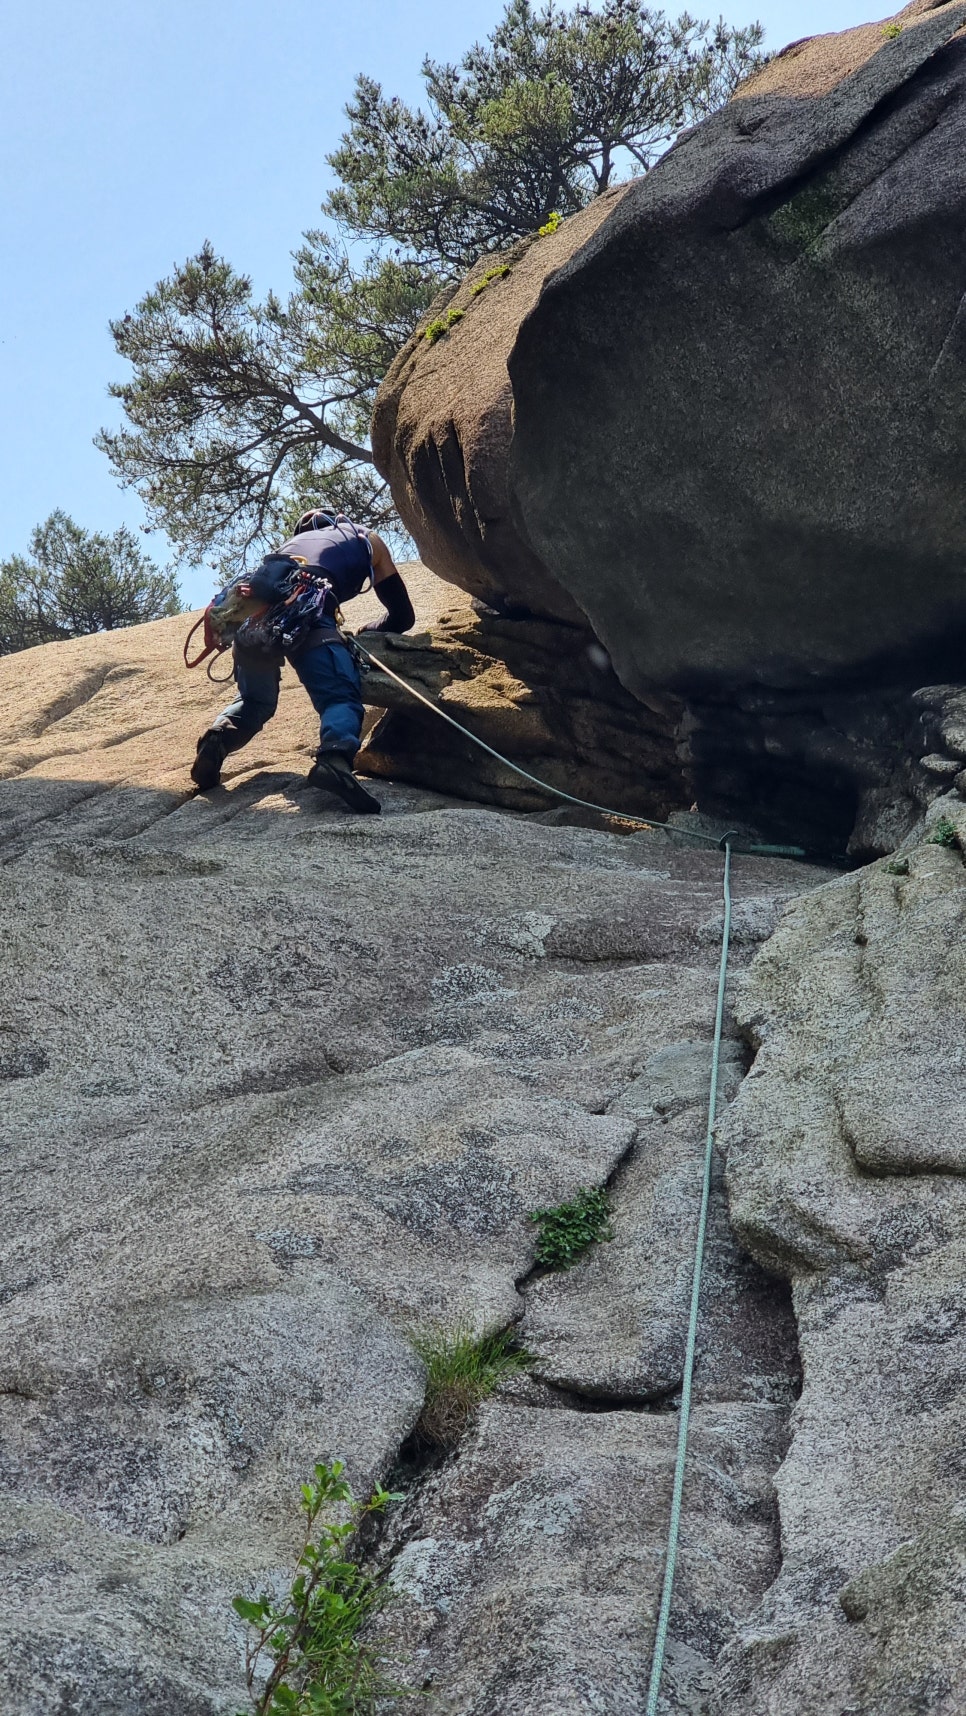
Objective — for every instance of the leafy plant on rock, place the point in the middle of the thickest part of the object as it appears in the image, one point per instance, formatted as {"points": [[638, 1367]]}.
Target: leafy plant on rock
{"points": [[317, 1663], [462, 1369], [441, 325], [489, 277], [943, 833], [569, 1230]]}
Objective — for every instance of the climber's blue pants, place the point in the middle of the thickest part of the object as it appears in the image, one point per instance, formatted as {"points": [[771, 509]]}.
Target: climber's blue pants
{"points": [[330, 677]]}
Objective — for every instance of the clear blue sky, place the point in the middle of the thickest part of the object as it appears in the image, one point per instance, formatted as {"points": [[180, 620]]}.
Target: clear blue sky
{"points": [[131, 132]]}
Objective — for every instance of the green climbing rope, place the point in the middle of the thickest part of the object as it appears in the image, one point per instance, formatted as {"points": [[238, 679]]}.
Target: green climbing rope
{"points": [[684, 1421]]}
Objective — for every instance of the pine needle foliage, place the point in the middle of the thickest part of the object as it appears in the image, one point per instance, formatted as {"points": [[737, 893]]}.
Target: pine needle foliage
{"points": [[241, 412], [553, 107], [462, 1369], [73, 582]]}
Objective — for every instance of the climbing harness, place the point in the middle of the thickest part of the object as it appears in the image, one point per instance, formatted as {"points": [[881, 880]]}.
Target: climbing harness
{"points": [[311, 605], [288, 596], [274, 608], [726, 844]]}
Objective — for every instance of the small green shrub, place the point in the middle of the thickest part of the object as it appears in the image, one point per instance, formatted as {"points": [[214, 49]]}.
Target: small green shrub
{"points": [[552, 223], [317, 1665], [891, 31], [488, 278], [461, 1370], [570, 1229], [436, 329], [898, 867], [943, 833]]}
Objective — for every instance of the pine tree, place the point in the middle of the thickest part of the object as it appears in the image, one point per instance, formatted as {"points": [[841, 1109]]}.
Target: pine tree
{"points": [[241, 413], [74, 581]]}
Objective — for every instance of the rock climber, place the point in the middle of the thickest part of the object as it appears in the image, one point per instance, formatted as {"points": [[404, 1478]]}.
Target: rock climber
{"points": [[349, 557]]}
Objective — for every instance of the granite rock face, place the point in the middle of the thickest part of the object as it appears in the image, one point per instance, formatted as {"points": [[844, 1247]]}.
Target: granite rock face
{"points": [[530, 1578], [614, 1326], [539, 692], [443, 423], [280, 1086], [793, 262], [717, 420], [845, 1168]]}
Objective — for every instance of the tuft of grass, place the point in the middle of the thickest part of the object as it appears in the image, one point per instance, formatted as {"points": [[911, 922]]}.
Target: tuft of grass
{"points": [[569, 1230], [551, 225], [943, 833], [442, 324], [462, 1369], [891, 31], [303, 1654]]}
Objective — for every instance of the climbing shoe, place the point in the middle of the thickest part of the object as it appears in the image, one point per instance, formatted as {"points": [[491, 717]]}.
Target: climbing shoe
{"points": [[211, 753], [332, 771]]}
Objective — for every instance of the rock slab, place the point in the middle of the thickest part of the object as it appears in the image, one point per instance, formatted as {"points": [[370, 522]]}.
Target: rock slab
{"points": [[279, 1086], [846, 1171]]}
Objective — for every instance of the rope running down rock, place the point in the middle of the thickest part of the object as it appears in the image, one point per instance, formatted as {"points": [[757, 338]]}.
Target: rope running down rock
{"points": [[684, 1418], [558, 792]]}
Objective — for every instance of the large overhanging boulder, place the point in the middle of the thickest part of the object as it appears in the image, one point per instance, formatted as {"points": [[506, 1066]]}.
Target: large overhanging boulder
{"points": [[757, 380], [734, 430], [443, 421]]}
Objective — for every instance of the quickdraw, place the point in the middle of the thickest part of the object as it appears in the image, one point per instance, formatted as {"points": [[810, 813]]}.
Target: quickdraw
{"points": [[311, 602]]}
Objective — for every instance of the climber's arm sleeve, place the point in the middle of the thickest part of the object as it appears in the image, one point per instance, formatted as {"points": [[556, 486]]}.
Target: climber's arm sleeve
{"points": [[391, 590]]}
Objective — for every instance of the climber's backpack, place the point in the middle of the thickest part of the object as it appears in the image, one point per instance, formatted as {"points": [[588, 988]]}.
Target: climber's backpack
{"points": [[242, 607], [290, 594]]}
